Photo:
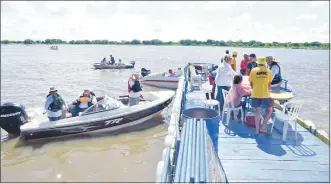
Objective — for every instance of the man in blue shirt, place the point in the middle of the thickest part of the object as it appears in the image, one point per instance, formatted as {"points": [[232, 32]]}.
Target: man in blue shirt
{"points": [[252, 64], [112, 60], [54, 105]]}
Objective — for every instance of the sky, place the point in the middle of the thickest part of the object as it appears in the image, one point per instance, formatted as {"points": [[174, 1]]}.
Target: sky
{"points": [[266, 21]]}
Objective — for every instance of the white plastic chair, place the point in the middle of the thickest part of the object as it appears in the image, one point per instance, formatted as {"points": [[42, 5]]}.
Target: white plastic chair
{"points": [[229, 109], [211, 102], [196, 81], [292, 113]]}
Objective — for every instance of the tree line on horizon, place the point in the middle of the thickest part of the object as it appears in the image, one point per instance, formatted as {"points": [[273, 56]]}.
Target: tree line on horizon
{"points": [[186, 42]]}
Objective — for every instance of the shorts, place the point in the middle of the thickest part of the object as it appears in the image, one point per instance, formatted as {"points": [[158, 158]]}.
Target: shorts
{"points": [[264, 102], [133, 101]]}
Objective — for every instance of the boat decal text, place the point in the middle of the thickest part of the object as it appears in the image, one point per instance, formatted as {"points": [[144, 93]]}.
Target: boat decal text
{"points": [[113, 121]]}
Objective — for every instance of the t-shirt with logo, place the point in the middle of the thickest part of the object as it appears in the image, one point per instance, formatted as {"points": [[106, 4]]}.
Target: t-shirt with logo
{"points": [[260, 77]]}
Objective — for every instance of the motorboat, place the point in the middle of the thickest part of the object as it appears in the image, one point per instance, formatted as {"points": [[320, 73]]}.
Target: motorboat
{"points": [[54, 48], [114, 66], [159, 79], [107, 114]]}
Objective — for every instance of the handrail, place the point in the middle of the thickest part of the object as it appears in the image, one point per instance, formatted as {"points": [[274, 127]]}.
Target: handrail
{"points": [[192, 163], [166, 173]]}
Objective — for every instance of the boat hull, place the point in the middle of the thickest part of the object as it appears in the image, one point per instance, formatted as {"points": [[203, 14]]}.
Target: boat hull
{"points": [[105, 124], [99, 66], [158, 80]]}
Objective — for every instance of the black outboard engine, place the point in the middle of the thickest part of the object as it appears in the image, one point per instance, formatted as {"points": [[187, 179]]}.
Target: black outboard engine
{"points": [[145, 72], [12, 117]]}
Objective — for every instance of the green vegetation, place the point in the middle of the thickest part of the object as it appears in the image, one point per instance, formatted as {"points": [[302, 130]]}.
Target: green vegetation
{"points": [[209, 42]]}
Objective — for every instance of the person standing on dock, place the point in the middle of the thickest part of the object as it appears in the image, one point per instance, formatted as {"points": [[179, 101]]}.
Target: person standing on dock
{"points": [[260, 79], [275, 70], [252, 63], [134, 89], [226, 53], [234, 62], [224, 78], [243, 65]]}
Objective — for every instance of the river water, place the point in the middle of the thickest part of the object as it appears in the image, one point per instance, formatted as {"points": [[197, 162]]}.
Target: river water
{"points": [[132, 154]]}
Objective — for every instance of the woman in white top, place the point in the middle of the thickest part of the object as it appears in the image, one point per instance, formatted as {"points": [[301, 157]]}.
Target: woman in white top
{"points": [[224, 78]]}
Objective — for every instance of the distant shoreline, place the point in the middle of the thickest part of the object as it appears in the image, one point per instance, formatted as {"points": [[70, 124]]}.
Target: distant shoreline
{"points": [[156, 42]]}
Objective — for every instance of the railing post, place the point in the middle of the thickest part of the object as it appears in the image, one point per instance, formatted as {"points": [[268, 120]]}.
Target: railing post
{"points": [[197, 153], [180, 154], [166, 167]]}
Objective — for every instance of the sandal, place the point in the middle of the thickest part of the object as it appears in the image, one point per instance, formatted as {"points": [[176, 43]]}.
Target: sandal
{"points": [[264, 132]]}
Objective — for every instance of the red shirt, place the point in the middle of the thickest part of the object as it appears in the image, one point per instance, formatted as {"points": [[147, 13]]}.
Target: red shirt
{"points": [[243, 64]]}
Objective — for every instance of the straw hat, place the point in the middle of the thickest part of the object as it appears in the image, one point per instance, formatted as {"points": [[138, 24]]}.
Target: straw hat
{"points": [[271, 59]]}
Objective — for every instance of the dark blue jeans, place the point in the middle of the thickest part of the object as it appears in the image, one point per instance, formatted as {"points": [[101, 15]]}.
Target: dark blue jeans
{"points": [[219, 96]]}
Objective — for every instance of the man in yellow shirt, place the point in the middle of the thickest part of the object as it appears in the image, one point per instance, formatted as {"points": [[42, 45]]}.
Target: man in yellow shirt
{"points": [[260, 79], [233, 62]]}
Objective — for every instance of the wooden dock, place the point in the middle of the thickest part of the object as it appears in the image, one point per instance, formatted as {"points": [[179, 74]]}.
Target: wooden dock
{"points": [[249, 158]]}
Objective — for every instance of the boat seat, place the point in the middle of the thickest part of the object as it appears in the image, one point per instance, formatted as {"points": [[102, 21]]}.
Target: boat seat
{"points": [[100, 98]]}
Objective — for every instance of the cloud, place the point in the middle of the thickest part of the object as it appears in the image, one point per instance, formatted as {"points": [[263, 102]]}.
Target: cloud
{"points": [[320, 3], [215, 5], [174, 6], [307, 17], [125, 20]]}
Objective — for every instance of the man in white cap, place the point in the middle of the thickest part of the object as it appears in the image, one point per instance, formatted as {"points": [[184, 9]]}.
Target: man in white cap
{"points": [[134, 89], [54, 105]]}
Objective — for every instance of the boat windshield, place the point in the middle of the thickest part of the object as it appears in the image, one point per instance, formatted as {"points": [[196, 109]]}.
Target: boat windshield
{"points": [[107, 103]]}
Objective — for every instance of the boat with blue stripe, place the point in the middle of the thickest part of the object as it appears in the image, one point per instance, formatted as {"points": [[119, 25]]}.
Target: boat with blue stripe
{"points": [[202, 147]]}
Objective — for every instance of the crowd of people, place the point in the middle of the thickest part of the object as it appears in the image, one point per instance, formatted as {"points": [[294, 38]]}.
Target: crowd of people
{"points": [[264, 74]]}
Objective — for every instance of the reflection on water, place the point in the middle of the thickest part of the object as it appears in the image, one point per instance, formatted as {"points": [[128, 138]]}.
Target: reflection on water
{"points": [[28, 72], [87, 157]]}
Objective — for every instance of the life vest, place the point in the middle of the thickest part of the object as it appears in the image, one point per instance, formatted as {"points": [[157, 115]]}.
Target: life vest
{"points": [[136, 86], [278, 77], [57, 103], [90, 99], [211, 79]]}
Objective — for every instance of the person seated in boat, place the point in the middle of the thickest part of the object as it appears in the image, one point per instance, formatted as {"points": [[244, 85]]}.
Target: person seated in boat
{"points": [[179, 72], [83, 102], [55, 105], [236, 94], [275, 70], [171, 73], [119, 62], [103, 61], [112, 60], [134, 89]]}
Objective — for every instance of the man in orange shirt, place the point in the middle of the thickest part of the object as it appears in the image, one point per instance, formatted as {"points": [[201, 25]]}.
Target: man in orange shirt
{"points": [[260, 78]]}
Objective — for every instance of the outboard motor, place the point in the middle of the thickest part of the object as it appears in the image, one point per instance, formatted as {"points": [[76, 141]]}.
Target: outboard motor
{"points": [[145, 72], [133, 63], [12, 117]]}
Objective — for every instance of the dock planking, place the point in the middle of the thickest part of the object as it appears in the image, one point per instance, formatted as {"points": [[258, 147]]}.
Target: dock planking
{"points": [[246, 157]]}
